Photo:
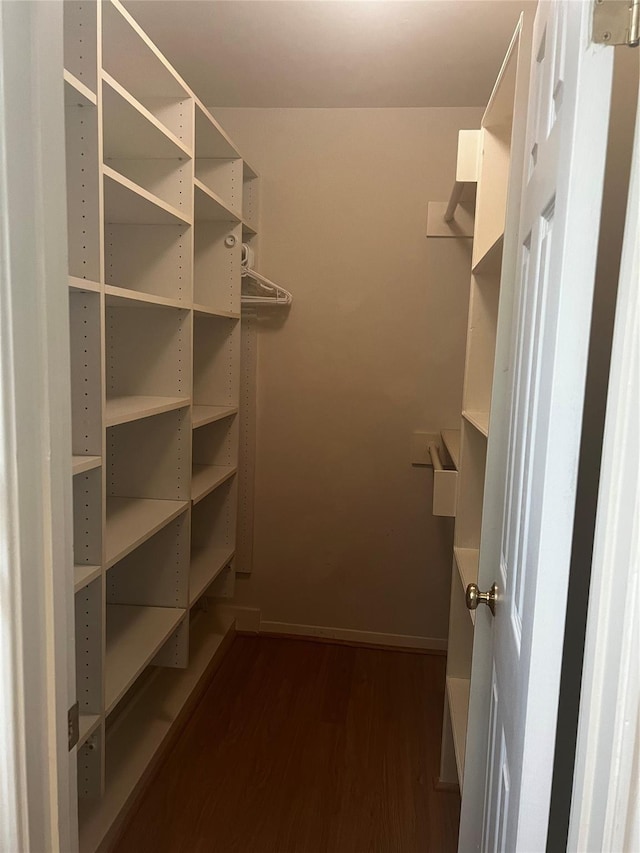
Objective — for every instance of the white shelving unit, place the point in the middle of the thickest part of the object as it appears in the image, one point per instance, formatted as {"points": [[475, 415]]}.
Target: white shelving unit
{"points": [[158, 203], [468, 446]]}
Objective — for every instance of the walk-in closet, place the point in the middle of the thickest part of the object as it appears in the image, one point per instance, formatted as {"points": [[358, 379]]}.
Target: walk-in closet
{"points": [[293, 289]]}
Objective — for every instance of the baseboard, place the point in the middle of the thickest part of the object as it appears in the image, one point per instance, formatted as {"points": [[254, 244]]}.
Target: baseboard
{"points": [[349, 635]]}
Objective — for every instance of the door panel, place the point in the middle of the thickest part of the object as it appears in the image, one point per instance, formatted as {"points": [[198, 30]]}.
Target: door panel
{"points": [[534, 438]]}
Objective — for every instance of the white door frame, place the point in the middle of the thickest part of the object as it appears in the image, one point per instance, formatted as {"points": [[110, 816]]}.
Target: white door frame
{"points": [[605, 811], [37, 679]]}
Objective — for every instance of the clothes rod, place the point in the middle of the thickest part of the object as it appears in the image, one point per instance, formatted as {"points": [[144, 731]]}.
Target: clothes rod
{"points": [[434, 453]]}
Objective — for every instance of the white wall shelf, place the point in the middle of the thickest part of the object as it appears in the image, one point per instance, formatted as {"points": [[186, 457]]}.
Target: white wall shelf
{"points": [[88, 724], [80, 464], [131, 521], [206, 478], [76, 93], [479, 420], [120, 296], [132, 131], [154, 316], [122, 410], [134, 636], [203, 415], [126, 202], [83, 285], [84, 575], [206, 565], [209, 207]]}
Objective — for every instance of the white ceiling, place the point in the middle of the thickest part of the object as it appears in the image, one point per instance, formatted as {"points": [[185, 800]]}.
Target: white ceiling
{"points": [[333, 53]]}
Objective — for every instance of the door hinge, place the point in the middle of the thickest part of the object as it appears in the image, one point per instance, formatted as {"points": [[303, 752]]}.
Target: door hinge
{"points": [[616, 22], [73, 722]]}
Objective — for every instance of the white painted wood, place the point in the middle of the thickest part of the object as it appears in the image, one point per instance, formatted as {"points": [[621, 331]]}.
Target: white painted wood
{"points": [[37, 680], [458, 699], [134, 636], [88, 724], [445, 486], [479, 420], [468, 160], [83, 285], [209, 206], [121, 296], [138, 733], [223, 178], [127, 202], [203, 415], [460, 226], [534, 440], [350, 635], [131, 521], [605, 813], [131, 130], [206, 565], [76, 94], [206, 478], [84, 574], [81, 464], [217, 267], [121, 410]]}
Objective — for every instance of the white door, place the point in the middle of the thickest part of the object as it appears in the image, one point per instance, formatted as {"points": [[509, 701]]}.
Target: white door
{"points": [[535, 429]]}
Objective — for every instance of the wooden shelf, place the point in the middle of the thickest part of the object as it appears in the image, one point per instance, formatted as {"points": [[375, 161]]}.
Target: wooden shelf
{"points": [[84, 285], [203, 415], [122, 410], [248, 230], [136, 736], [122, 296], [451, 439], [134, 635], [76, 93], [131, 521], [88, 724], [80, 464], [479, 420], [84, 575], [206, 565], [205, 311], [125, 202], [131, 130], [458, 694], [206, 478], [209, 207]]}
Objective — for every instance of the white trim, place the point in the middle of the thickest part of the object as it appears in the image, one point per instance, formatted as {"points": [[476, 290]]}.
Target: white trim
{"points": [[37, 776], [370, 638], [605, 813]]}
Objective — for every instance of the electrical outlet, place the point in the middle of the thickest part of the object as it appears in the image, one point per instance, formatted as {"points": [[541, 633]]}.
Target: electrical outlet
{"points": [[420, 442]]}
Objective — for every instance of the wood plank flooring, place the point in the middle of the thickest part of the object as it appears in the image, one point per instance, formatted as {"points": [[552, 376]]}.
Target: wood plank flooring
{"points": [[302, 747]]}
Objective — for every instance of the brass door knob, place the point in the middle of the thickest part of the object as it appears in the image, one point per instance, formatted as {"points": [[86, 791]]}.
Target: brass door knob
{"points": [[474, 597]]}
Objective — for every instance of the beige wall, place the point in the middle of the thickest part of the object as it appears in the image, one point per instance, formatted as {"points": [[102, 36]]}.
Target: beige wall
{"points": [[371, 350]]}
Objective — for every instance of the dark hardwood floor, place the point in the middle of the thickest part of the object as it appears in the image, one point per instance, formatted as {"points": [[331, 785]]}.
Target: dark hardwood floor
{"points": [[302, 747]]}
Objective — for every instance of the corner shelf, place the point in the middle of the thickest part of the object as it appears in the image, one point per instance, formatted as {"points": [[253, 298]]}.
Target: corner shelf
{"points": [[203, 415], [125, 202], [206, 565], [134, 635], [206, 478], [122, 410], [131, 521], [205, 311]]}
